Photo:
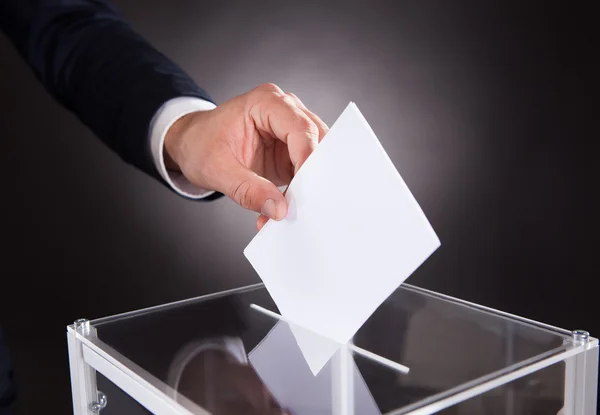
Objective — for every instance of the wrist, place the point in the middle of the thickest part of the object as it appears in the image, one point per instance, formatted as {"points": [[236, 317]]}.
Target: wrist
{"points": [[166, 132], [172, 152]]}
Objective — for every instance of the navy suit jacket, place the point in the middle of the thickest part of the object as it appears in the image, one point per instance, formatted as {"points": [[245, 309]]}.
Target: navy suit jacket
{"points": [[97, 66], [91, 60]]}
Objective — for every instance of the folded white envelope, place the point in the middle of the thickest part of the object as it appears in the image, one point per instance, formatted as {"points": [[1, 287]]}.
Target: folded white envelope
{"points": [[353, 234]]}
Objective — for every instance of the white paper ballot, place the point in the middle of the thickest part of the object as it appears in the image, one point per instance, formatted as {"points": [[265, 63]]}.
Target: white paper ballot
{"points": [[353, 234], [282, 367]]}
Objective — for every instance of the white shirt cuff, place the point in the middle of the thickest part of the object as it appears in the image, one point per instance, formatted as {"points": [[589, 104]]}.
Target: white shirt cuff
{"points": [[164, 118]]}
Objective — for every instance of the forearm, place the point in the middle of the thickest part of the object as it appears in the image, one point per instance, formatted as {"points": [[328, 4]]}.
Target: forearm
{"points": [[93, 63]]}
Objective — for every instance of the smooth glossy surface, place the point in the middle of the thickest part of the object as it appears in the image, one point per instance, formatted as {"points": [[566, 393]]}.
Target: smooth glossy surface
{"points": [[228, 357]]}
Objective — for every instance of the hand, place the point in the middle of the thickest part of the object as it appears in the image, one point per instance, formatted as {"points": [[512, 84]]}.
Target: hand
{"points": [[221, 385], [246, 148]]}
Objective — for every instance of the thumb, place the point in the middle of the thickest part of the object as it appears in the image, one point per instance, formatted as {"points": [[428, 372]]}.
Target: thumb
{"points": [[253, 192]]}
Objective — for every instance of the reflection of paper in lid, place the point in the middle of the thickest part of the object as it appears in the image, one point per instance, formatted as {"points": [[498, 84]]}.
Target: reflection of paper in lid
{"points": [[353, 234], [280, 364]]}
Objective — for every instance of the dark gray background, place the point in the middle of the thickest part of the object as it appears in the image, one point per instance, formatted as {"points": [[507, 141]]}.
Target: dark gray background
{"points": [[488, 111]]}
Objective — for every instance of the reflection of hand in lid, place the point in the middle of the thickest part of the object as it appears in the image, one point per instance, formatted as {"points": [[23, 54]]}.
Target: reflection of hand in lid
{"points": [[215, 375]]}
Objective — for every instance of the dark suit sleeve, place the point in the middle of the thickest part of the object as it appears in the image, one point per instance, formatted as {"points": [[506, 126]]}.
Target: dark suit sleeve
{"points": [[94, 64]]}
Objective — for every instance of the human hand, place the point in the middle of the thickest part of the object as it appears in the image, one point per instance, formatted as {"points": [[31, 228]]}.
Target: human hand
{"points": [[224, 386], [246, 148]]}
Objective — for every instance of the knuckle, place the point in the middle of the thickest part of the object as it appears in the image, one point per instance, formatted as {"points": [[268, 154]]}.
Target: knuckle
{"points": [[306, 125], [242, 193], [289, 100], [271, 87], [294, 98]]}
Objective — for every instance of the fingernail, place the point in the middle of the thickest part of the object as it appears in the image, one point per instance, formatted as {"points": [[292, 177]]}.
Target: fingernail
{"points": [[268, 209]]}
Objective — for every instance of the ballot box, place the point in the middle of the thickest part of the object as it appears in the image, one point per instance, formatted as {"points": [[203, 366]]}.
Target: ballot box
{"points": [[419, 353]]}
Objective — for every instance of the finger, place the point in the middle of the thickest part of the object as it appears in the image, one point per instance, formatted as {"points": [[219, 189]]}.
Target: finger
{"points": [[280, 117], [277, 166], [261, 221], [323, 128], [251, 191]]}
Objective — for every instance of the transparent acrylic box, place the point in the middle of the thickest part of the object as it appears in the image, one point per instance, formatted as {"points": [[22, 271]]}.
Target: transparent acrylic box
{"points": [[419, 353]]}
